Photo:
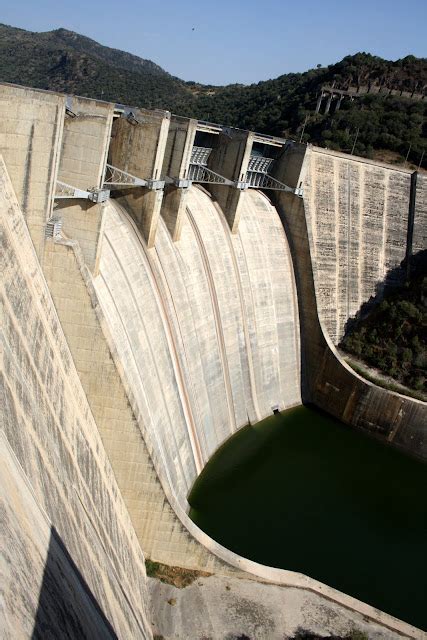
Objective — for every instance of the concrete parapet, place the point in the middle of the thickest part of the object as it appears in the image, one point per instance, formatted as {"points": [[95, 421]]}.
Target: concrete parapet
{"points": [[31, 124]]}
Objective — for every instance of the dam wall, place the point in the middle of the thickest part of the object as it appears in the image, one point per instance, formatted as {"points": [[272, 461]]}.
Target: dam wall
{"points": [[357, 219], [176, 325], [72, 561]]}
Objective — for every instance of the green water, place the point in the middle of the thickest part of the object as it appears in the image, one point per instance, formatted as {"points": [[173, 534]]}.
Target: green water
{"points": [[302, 491]]}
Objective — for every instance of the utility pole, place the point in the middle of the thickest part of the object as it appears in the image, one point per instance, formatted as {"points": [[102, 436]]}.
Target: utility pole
{"points": [[303, 128], [355, 140], [407, 155], [422, 158]]}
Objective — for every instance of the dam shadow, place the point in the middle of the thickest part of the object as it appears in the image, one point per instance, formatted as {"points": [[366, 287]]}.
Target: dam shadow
{"points": [[395, 279], [67, 608]]}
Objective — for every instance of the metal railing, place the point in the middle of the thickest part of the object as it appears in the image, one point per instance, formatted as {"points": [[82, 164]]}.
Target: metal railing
{"points": [[200, 155], [259, 164]]}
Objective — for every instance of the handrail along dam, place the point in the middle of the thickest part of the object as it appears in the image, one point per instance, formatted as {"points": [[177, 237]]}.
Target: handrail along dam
{"points": [[167, 281]]}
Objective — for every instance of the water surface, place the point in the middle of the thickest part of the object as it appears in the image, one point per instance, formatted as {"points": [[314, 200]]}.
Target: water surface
{"points": [[301, 491]]}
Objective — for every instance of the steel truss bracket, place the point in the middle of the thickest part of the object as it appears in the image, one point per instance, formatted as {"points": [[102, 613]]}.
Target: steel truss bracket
{"points": [[265, 181], [118, 179], [201, 174], [66, 192]]}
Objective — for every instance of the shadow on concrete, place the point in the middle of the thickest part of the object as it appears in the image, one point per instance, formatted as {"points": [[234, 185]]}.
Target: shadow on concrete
{"points": [[393, 281], [67, 608]]}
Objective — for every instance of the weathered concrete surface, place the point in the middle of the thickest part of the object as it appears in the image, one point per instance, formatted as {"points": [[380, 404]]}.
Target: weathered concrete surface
{"points": [[49, 427], [222, 608], [357, 218], [42, 594], [206, 329], [84, 148], [181, 134], [230, 158], [85, 142], [31, 124], [138, 147], [176, 161]]}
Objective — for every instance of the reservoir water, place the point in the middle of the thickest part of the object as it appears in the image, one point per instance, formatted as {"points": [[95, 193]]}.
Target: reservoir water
{"points": [[303, 492]]}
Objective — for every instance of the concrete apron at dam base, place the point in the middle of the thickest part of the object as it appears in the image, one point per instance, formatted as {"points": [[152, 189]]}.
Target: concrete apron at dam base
{"points": [[175, 319]]}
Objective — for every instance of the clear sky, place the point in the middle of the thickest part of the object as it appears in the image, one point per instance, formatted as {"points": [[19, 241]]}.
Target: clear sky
{"points": [[235, 41]]}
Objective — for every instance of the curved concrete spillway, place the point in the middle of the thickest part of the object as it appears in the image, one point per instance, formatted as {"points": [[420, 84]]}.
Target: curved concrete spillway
{"points": [[206, 329]]}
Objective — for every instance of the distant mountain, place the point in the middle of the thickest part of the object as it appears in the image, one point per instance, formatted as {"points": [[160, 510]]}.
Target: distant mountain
{"points": [[378, 125], [65, 61]]}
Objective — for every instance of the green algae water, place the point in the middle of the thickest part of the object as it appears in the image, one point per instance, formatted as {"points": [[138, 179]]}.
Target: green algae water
{"points": [[301, 491]]}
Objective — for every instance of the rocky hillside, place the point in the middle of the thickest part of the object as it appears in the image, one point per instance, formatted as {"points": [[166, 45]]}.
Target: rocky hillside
{"points": [[383, 126]]}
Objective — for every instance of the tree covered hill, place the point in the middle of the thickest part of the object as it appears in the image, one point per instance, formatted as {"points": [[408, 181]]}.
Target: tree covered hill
{"points": [[65, 61]]}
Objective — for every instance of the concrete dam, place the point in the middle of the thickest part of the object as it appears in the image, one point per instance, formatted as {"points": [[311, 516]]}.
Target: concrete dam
{"points": [[168, 281]]}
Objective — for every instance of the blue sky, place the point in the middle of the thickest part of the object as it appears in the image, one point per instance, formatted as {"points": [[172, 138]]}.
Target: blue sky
{"points": [[235, 41]]}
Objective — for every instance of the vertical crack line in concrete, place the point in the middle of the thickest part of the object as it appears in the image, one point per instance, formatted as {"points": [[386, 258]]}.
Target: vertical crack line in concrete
{"points": [[411, 220], [27, 173]]}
